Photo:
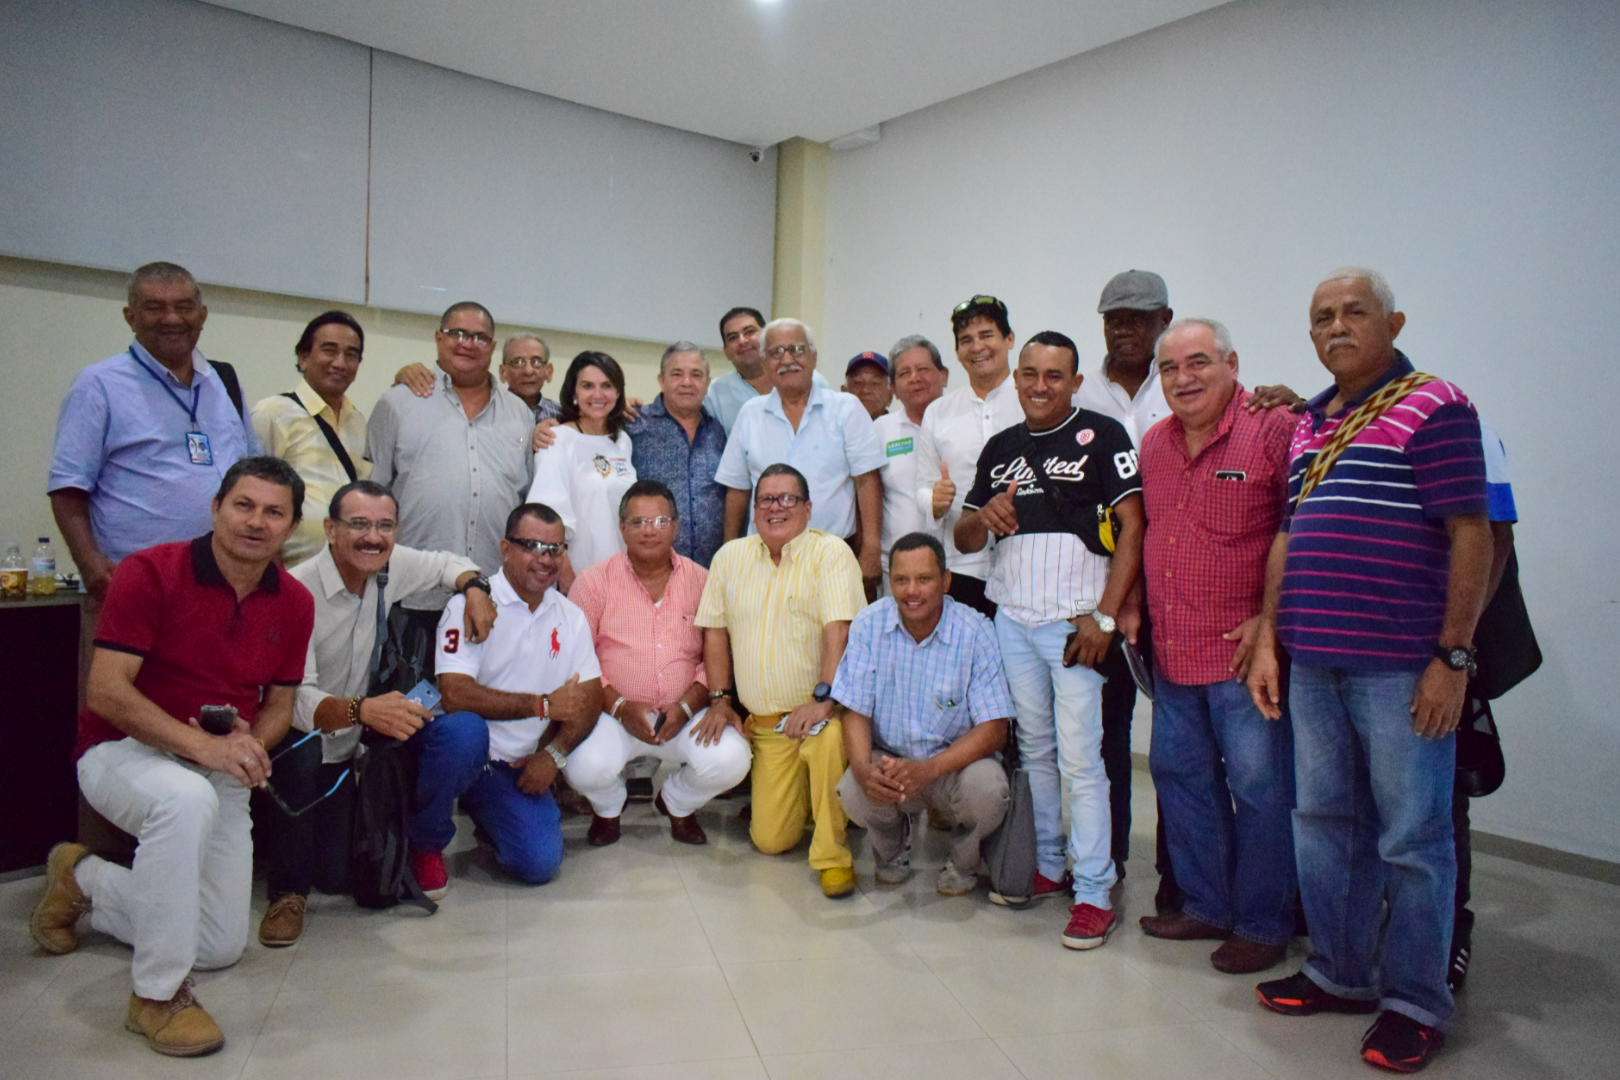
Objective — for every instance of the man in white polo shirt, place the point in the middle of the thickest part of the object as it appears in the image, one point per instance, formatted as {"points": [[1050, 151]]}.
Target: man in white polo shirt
{"points": [[515, 705]]}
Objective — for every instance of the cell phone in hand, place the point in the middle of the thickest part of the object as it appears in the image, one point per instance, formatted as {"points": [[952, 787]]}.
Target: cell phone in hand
{"points": [[217, 719], [425, 694], [1068, 643]]}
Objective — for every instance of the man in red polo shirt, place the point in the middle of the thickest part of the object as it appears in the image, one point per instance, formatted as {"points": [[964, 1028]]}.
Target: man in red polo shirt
{"points": [[1214, 481], [211, 621]]}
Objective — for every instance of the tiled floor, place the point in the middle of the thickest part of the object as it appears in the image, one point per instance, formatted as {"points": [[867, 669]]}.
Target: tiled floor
{"points": [[648, 960]]}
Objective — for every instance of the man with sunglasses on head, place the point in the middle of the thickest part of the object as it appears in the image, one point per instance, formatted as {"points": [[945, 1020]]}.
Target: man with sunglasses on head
{"points": [[776, 614], [827, 434], [312, 848], [640, 605], [954, 431], [457, 460], [515, 706]]}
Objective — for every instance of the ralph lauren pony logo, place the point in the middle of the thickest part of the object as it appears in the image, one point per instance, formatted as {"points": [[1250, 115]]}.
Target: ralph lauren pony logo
{"points": [[556, 644]]}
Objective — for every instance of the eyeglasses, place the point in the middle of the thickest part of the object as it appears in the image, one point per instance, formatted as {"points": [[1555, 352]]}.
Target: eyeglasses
{"points": [[981, 300], [535, 362], [777, 352], [662, 521], [361, 526], [477, 337], [538, 547], [275, 796], [786, 502]]}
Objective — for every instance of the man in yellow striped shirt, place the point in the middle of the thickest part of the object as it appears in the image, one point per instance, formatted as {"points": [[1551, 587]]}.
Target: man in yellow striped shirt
{"points": [[776, 614]]}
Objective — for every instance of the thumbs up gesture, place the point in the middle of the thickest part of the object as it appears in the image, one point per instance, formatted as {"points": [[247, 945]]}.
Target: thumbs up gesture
{"points": [[944, 491], [1000, 514]]}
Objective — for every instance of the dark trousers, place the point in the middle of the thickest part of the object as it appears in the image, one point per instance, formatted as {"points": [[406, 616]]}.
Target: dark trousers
{"points": [[1465, 861], [1118, 709], [311, 850], [970, 591]]}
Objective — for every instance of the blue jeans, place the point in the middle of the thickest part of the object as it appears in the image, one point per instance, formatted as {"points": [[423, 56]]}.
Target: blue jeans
{"points": [[1212, 749], [1060, 738], [1373, 825], [525, 829]]}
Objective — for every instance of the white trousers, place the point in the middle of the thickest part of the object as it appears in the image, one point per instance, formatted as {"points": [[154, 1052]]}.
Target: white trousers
{"points": [[184, 902], [706, 771]]}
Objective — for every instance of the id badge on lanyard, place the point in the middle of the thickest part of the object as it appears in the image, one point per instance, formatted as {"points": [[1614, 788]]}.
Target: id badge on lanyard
{"points": [[198, 448]]}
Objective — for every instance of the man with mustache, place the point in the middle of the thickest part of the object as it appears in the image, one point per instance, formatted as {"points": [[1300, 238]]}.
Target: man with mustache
{"points": [[741, 333], [207, 622], [345, 579], [1374, 585]]}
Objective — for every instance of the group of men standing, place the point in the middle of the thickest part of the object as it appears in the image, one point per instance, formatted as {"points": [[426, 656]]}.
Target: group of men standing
{"points": [[1026, 528]]}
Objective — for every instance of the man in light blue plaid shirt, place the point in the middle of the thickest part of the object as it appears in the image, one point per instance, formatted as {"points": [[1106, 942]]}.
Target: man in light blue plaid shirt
{"points": [[927, 707]]}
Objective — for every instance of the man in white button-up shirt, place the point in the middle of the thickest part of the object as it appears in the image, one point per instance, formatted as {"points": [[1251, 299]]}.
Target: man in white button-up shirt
{"points": [[919, 377], [954, 430], [827, 435], [345, 577]]}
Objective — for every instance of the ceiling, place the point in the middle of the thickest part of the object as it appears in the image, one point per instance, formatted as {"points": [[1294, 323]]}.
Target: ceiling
{"points": [[751, 71]]}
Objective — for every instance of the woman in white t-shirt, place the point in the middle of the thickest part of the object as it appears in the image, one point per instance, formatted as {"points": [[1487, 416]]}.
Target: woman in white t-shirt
{"points": [[585, 472]]}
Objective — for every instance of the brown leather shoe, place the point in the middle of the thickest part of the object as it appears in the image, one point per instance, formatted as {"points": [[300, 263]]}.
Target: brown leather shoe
{"points": [[1240, 956], [603, 831], [1179, 926], [283, 923], [63, 903], [685, 830], [179, 1027]]}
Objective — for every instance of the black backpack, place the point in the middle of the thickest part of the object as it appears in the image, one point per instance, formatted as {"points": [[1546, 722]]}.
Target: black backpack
{"points": [[385, 786]]}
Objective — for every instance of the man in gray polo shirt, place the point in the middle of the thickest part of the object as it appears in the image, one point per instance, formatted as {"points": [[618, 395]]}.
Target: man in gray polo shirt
{"points": [[457, 460]]}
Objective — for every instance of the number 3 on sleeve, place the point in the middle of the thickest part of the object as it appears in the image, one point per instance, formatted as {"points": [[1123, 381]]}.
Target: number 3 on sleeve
{"points": [[452, 639]]}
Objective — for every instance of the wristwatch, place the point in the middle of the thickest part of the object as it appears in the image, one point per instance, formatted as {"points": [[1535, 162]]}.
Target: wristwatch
{"points": [[1459, 658], [479, 582], [557, 755], [821, 693], [1105, 623]]}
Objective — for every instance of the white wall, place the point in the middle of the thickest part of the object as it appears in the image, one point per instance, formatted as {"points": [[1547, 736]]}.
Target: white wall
{"points": [[1470, 150]]}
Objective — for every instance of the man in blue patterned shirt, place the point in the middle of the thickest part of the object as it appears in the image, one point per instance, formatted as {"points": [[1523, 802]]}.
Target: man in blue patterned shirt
{"points": [[678, 442], [927, 708]]}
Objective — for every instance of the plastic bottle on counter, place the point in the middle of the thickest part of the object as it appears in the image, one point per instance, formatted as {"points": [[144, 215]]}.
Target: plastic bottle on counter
{"points": [[42, 569], [13, 574]]}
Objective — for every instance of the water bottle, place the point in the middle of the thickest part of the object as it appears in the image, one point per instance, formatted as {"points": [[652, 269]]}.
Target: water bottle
{"points": [[13, 574], [42, 569]]}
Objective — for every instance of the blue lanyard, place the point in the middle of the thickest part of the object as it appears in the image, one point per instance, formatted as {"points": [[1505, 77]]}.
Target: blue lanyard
{"points": [[196, 387]]}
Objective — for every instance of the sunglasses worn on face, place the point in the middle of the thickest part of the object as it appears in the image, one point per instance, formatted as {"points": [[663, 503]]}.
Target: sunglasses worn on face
{"points": [[538, 547]]}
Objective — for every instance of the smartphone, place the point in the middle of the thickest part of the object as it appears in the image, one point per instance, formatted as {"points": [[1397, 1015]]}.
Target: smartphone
{"points": [[656, 719], [217, 719], [426, 695], [1068, 643]]}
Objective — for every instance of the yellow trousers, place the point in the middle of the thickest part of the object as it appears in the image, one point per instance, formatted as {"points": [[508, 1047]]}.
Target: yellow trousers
{"points": [[795, 780]]}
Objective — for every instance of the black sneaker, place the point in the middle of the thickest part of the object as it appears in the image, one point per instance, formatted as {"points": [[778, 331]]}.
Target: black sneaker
{"points": [[1298, 995], [1399, 1043]]}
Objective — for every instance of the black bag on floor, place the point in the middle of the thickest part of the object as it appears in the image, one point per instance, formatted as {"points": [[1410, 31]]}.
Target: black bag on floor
{"points": [[1010, 851], [385, 787]]}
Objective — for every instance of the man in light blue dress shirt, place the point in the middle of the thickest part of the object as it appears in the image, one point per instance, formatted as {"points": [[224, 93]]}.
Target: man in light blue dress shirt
{"points": [[928, 707], [145, 436], [825, 434]]}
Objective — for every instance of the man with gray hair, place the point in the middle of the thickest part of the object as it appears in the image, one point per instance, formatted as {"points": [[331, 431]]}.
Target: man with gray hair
{"points": [[678, 442], [1214, 481], [919, 376], [145, 436], [525, 369], [826, 434]]}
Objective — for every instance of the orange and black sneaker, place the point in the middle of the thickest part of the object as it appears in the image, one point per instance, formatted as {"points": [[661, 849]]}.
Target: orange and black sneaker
{"points": [[1298, 995], [1399, 1043]]}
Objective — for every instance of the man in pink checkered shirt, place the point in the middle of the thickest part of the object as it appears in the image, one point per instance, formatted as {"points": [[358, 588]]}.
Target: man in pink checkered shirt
{"points": [[640, 605], [1214, 483]]}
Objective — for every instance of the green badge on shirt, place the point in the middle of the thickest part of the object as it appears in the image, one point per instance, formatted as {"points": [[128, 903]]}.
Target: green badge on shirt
{"points": [[899, 447]]}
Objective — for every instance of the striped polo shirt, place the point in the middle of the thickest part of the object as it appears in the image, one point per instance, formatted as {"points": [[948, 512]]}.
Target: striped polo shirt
{"points": [[1364, 587]]}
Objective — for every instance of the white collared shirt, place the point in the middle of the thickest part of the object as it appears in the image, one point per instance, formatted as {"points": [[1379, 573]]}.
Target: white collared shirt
{"points": [[527, 652], [1101, 394], [338, 663], [898, 438], [954, 431], [835, 443]]}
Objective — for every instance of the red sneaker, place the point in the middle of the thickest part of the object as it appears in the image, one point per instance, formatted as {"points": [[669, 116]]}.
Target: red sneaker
{"points": [[1044, 889], [1089, 926], [428, 866]]}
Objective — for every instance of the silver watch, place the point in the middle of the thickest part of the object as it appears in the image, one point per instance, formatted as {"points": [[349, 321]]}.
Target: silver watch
{"points": [[557, 755], [1105, 623]]}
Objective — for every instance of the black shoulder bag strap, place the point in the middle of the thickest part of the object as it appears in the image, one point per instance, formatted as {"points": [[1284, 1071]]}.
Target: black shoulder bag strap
{"points": [[332, 439], [233, 385]]}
